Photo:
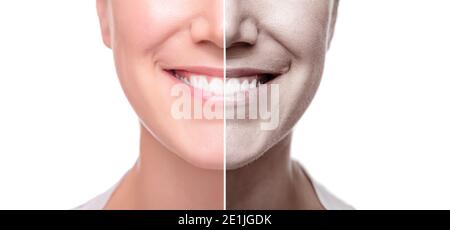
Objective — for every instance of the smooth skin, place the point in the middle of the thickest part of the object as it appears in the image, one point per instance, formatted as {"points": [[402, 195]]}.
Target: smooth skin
{"points": [[180, 164]]}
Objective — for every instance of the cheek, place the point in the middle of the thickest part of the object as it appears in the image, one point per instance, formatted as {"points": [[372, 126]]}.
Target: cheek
{"points": [[140, 27], [140, 80], [306, 41], [300, 26], [144, 24]]}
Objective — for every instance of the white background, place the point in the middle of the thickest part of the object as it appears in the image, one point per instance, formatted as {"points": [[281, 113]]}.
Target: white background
{"points": [[67, 132], [377, 133]]}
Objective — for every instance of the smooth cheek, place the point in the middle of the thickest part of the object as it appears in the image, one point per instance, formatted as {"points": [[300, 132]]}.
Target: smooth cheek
{"points": [[145, 24], [149, 91]]}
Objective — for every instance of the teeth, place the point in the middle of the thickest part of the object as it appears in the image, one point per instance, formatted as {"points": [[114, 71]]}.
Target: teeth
{"points": [[215, 84], [253, 84], [232, 86], [245, 85], [198, 81]]}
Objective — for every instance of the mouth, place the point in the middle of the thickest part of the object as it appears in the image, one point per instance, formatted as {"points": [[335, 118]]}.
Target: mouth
{"points": [[242, 80], [211, 81]]}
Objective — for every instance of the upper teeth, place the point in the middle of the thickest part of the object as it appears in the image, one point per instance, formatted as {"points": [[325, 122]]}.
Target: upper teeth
{"points": [[215, 84]]}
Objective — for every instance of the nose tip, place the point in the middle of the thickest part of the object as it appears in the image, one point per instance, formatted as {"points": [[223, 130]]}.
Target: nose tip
{"points": [[240, 32], [234, 29], [209, 31]]}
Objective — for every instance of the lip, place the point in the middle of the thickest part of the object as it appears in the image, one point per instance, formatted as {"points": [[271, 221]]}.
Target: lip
{"points": [[202, 70], [263, 76], [244, 72]]}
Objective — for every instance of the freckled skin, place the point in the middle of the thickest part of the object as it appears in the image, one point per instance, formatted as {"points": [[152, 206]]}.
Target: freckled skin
{"points": [[293, 35]]}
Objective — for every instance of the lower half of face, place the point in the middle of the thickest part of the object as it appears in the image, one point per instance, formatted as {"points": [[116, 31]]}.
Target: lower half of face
{"points": [[163, 56], [286, 55], [249, 138], [166, 109]]}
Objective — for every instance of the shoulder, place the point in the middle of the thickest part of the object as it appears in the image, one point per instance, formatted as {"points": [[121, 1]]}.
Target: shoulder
{"points": [[98, 202], [329, 200]]}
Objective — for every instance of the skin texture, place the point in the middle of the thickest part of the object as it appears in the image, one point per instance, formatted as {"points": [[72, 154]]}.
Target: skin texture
{"points": [[291, 36], [180, 165], [179, 158]]}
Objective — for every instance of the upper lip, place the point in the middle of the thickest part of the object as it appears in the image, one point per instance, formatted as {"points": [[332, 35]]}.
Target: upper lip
{"points": [[229, 72], [201, 70], [245, 72]]}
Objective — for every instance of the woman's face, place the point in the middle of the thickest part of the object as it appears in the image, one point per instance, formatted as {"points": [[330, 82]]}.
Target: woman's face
{"points": [[154, 43], [286, 39], [161, 44]]}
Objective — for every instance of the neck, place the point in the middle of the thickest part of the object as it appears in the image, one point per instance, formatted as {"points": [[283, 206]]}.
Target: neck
{"points": [[273, 181], [162, 180]]}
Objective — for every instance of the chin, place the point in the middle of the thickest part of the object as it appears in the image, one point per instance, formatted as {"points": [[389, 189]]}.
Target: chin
{"points": [[236, 158], [202, 151], [208, 160], [242, 150]]}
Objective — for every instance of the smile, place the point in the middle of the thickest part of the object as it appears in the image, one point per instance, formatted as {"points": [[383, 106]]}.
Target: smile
{"points": [[212, 81]]}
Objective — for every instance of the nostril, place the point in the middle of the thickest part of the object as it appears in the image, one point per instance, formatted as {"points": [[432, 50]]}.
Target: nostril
{"points": [[240, 45], [244, 32]]}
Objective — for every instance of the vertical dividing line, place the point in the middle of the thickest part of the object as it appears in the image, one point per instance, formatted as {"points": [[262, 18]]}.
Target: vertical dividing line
{"points": [[224, 110]]}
